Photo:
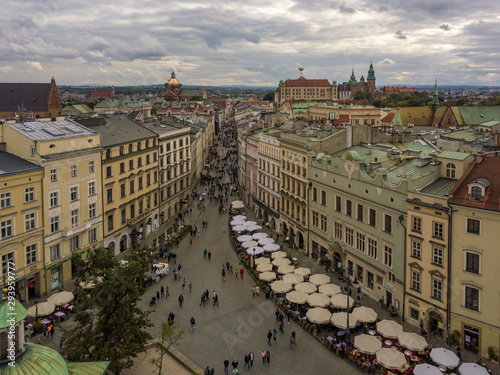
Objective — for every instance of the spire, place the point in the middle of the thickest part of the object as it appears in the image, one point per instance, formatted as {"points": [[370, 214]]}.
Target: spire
{"points": [[172, 75], [353, 77], [371, 72], [435, 96]]}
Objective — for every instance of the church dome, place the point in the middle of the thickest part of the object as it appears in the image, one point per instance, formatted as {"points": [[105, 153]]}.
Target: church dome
{"points": [[173, 81], [37, 359]]}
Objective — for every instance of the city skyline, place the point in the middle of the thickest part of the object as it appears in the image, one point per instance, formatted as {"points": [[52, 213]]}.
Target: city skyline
{"points": [[234, 43]]}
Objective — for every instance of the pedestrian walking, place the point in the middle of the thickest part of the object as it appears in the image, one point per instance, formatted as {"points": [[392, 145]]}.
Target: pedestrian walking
{"points": [[236, 273], [226, 366], [253, 291], [168, 291], [269, 336], [251, 356], [216, 300], [190, 240], [52, 330], [184, 283], [157, 296], [223, 275], [247, 362], [275, 336], [235, 363], [202, 299], [192, 323], [181, 300], [257, 290], [459, 352], [281, 326], [205, 253], [162, 289], [241, 272], [268, 357], [190, 286], [277, 314], [209, 255], [359, 300], [263, 356], [292, 342]]}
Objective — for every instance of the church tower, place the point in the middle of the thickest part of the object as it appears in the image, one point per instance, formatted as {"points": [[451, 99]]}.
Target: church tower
{"points": [[435, 96], [371, 79]]}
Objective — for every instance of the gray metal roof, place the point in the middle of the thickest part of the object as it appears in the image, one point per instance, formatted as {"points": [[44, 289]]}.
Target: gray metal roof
{"points": [[44, 131], [12, 164], [439, 188]]}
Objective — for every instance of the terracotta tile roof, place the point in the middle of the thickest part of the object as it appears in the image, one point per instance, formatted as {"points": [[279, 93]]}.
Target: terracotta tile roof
{"points": [[488, 169], [32, 96], [389, 117], [304, 82]]}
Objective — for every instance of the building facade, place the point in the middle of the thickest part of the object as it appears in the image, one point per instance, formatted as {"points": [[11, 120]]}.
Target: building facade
{"points": [[306, 89]]}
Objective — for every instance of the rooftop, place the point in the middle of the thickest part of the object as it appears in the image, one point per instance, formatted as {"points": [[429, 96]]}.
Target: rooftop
{"points": [[439, 188], [44, 131], [454, 155], [12, 164]]}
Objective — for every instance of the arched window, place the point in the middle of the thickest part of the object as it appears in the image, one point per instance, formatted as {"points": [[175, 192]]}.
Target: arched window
{"points": [[477, 193], [451, 170]]}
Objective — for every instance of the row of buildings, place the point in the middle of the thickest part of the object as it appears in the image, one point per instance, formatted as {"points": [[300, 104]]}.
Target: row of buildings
{"points": [[412, 225], [70, 185]]}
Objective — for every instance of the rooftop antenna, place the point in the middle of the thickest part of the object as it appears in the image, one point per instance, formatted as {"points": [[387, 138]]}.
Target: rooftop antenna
{"points": [[301, 69]]}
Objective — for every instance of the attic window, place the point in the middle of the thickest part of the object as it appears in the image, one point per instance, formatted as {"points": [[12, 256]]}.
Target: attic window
{"points": [[477, 189]]}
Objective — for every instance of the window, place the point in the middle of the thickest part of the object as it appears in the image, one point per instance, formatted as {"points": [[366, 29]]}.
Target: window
{"points": [[139, 162], [437, 289], [109, 172], [54, 224], [54, 199], [74, 243], [360, 213], [472, 262], [91, 166], [372, 217], [476, 193], [415, 281], [349, 236], [473, 226], [92, 211], [130, 165], [110, 222], [109, 195], [74, 171], [437, 256], [416, 224], [29, 194], [122, 167], [122, 150], [154, 157], [5, 200], [91, 188], [140, 207], [148, 202], [388, 256], [387, 223], [338, 230], [350, 268], [140, 183], [391, 277], [6, 228], [451, 170], [168, 147], [338, 204], [414, 315], [360, 242], [360, 274], [138, 146], [416, 249], [315, 219], [324, 223], [369, 279], [315, 195], [74, 218], [323, 197], [180, 142], [130, 148], [124, 216], [108, 153], [93, 235], [53, 175], [30, 221], [55, 252], [372, 247], [148, 159], [148, 179], [7, 263], [132, 186], [348, 207], [437, 229], [33, 151], [472, 298], [132, 211], [122, 191], [73, 192], [31, 254]]}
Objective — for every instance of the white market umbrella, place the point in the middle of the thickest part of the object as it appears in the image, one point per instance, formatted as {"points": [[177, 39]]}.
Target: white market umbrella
{"points": [[42, 309], [267, 276], [240, 228], [237, 205], [390, 358], [367, 344], [365, 314], [285, 269], [254, 228], [297, 297], [339, 301], [329, 289], [412, 341], [302, 271], [318, 300], [239, 217], [258, 236], [389, 328], [266, 267], [281, 286], [318, 315], [472, 369], [293, 278], [444, 357], [319, 279], [306, 287], [425, 369], [61, 298], [90, 284], [237, 222], [281, 261], [266, 241], [272, 247], [278, 254], [238, 201], [262, 260], [244, 238], [249, 244], [250, 223], [339, 320], [255, 250]]}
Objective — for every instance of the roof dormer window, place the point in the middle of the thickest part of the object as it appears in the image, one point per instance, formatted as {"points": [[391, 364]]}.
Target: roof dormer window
{"points": [[477, 189]]}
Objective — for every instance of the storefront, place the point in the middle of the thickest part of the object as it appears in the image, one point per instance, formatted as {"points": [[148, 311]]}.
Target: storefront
{"points": [[471, 339]]}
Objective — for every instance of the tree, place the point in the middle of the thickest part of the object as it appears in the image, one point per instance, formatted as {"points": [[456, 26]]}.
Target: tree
{"points": [[196, 98], [269, 96], [168, 336], [109, 324]]}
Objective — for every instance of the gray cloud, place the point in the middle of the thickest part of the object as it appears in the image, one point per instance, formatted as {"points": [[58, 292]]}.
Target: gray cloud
{"points": [[400, 35], [445, 27]]}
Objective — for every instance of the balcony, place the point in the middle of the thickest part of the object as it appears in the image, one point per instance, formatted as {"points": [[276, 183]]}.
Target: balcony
{"points": [[135, 220]]}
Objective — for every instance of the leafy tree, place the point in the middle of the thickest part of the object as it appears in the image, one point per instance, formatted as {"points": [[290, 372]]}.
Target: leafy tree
{"points": [[168, 336], [269, 96], [109, 324], [196, 98]]}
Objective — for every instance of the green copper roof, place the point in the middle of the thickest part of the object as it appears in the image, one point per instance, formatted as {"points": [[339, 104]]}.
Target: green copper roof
{"points": [[11, 310], [39, 360], [480, 114], [454, 155], [353, 77], [87, 368], [435, 95], [371, 72]]}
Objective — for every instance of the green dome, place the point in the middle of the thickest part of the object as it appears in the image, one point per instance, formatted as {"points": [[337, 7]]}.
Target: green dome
{"points": [[9, 310], [39, 360]]}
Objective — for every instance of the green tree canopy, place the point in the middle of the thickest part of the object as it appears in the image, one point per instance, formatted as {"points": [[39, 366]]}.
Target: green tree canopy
{"points": [[269, 96]]}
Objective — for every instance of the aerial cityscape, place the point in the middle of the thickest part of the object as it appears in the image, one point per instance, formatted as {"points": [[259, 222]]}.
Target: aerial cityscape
{"points": [[301, 187]]}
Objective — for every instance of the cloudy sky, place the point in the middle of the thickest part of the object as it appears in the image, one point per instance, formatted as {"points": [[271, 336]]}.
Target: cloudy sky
{"points": [[249, 42]]}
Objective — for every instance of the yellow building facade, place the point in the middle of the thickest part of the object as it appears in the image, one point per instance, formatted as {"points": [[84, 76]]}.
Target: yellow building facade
{"points": [[21, 223]]}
